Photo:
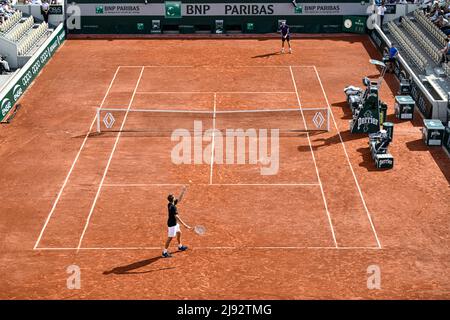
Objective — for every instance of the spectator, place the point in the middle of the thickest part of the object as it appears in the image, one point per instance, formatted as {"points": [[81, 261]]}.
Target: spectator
{"points": [[6, 10], [393, 54], [4, 65], [381, 11], [445, 51], [45, 10], [434, 12], [443, 24], [426, 5]]}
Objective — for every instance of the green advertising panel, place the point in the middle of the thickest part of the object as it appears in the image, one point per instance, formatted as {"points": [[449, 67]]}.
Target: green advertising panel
{"points": [[29, 72], [172, 9], [309, 16], [354, 24]]}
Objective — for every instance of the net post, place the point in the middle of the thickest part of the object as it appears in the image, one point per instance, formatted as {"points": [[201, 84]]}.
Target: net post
{"points": [[98, 120]]}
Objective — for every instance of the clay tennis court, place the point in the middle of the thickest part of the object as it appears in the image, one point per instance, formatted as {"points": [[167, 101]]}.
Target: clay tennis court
{"points": [[72, 196]]}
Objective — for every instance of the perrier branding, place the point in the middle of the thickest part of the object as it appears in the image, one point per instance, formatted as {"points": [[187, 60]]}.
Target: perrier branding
{"points": [[367, 121]]}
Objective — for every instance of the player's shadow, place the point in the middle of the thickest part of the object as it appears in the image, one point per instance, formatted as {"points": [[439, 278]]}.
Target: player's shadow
{"points": [[129, 268], [318, 143], [346, 108], [267, 55], [367, 162]]}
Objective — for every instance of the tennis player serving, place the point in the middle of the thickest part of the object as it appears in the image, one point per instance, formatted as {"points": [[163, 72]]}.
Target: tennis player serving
{"points": [[173, 224], [285, 36]]}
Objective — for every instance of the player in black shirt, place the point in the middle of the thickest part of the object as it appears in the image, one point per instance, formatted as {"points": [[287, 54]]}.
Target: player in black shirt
{"points": [[172, 224], [285, 36]]}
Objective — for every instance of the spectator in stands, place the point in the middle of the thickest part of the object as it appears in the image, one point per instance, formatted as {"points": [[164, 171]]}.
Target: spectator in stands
{"points": [[45, 7], [443, 24], [39, 2], [4, 65], [434, 12], [426, 5], [445, 51], [6, 10], [381, 11]]}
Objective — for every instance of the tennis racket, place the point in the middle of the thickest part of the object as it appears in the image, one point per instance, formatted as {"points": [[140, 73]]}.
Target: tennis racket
{"points": [[200, 230]]}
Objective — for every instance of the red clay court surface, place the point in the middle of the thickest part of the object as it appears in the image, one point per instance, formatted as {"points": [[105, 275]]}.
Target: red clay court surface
{"points": [[311, 231]]}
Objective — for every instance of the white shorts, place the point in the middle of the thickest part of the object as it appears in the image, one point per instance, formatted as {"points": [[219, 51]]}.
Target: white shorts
{"points": [[173, 231]]}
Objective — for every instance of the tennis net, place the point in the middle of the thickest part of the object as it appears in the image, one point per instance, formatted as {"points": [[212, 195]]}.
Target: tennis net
{"points": [[165, 122]]}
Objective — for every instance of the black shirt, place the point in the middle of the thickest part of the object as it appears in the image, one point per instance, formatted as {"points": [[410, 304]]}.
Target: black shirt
{"points": [[285, 30], [172, 221]]}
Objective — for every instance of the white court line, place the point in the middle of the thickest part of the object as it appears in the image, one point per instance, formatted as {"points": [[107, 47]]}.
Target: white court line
{"points": [[109, 161], [143, 185], [208, 112], [348, 161], [162, 66], [213, 140], [218, 92], [212, 248], [314, 159], [73, 164], [229, 67]]}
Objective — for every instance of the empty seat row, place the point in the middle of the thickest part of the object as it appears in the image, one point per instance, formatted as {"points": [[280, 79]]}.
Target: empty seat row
{"points": [[432, 81], [423, 40], [11, 21], [417, 58], [30, 40], [422, 61], [17, 33], [430, 27], [446, 68]]}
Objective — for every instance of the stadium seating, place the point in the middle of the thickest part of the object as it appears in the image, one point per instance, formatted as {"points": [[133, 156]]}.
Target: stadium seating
{"points": [[425, 43], [417, 58], [19, 31], [446, 67], [32, 38], [430, 27], [10, 22]]}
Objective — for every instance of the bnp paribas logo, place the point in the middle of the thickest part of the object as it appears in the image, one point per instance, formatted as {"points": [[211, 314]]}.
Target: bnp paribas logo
{"points": [[5, 106], [172, 9], [297, 7], [99, 10]]}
